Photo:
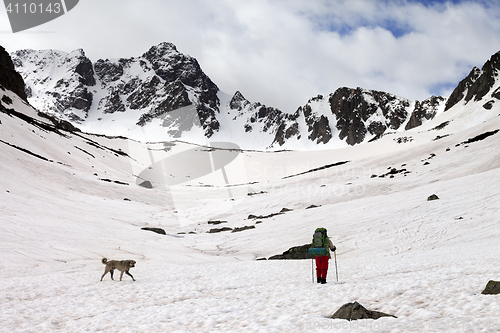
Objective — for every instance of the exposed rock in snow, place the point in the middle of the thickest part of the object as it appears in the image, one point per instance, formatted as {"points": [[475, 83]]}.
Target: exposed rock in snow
{"points": [[9, 78], [432, 198], [361, 111], [426, 109], [357, 115], [295, 252], [157, 230], [355, 311], [492, 288], [477, 84]]}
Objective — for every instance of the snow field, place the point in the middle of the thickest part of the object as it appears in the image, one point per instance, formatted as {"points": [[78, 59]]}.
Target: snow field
{"points": [[274, 296], [425, 262]]}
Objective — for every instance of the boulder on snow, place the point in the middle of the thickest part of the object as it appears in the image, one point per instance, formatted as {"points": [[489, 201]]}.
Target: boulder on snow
{"points": [[433, 197], [296, 252], [492, 288], [146, 184], [157, 230], [282, 211], [216, 222], [355, 311], [216, 230], [239, 229]]}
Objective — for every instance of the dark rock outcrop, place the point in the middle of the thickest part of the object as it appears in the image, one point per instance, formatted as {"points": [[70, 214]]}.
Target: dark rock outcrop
{"points": [[238, 102], [86, 71], [356, 114], [247, 227], [216, 230], [296, 252], [492, 288], [392, 172], [180, 73], [60, 123], [432, 198], [282, 211], [355, 311], [424, 110], [216, 222], [318, 127], [477, 84], [459, 92], [261, 118], [486, 80], [479, 137], [353, 107], [9, 78], [157, 230]]}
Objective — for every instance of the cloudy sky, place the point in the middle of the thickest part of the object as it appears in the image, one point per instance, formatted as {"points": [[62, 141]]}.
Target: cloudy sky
{"points": [[283, 52]]}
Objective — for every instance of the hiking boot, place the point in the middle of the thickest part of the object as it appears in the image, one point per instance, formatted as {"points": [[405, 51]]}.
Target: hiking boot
{"points": [[323, 281], [319, 280]]}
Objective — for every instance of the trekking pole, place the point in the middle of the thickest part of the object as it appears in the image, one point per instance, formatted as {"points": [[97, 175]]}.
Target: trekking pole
{"points": [[336, 271], [312, 269]]}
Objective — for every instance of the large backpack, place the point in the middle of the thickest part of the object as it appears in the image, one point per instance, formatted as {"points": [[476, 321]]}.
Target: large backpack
{"points": [[319, 245]]}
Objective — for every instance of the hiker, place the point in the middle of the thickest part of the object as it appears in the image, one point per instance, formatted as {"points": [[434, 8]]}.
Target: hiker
{"points": [[321, 240]]}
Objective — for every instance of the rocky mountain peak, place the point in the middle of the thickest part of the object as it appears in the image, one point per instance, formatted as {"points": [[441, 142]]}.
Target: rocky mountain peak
{"points": [[238, 102], [360, 111], [356, 115], [170, 65], [424, 110], [477, 84], [83, 67], [167, 92], [161, 50], [57, 82], [149, 87], [486, 80]]}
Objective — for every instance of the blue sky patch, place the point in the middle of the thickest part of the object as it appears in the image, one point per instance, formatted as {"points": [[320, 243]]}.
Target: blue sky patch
{"points": [[443, 89], [397, 29]]}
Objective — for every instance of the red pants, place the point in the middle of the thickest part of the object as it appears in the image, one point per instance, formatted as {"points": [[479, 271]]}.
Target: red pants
{"points": [[321, 266]]}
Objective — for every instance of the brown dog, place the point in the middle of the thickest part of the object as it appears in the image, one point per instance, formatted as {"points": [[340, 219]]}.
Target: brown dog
{"points": [[121, 265]]}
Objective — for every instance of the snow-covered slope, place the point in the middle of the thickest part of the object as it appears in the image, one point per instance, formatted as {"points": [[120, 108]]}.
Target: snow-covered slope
{"points": [[67, 199], [164, 95]]}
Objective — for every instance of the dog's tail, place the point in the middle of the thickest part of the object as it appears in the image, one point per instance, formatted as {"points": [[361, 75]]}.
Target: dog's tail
{"points": [[104, 261]]}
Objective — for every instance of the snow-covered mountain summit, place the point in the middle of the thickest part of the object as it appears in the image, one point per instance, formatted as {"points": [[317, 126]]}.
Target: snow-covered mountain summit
{"points": [[114, 96], [164, 95]]}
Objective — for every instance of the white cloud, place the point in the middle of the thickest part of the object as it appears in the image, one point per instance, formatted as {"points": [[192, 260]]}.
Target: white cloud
{"points": [[281, 53]]}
